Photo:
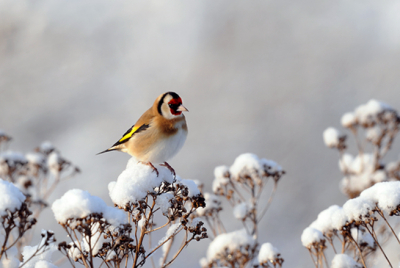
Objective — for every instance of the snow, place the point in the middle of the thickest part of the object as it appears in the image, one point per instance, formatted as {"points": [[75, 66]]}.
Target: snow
{"points": [[348, 120], [310, 236], [339, 219], [362, 236], [10, 159], [163, 202], [11, 259], [203, 262], [359, 208], [43, 264], [333, 218], [35, 158], [246, 165], [190, 184], [331, 137], [233, 241], [221, 174], [385, 194], [40, 260], [368, 112], [268, 253], [53, 162], [360, 172], [77, 203], [240, 211], [11, 198], [136, 181], [171, 231], [271, 165], [194, 222], [46, 147], [324, 220], [96, 239], [344, 261], [212, 202], [373, 134]]}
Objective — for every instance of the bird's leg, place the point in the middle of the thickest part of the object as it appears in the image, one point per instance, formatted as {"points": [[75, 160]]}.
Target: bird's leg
{"points": [[151, 165], [169, 167]]}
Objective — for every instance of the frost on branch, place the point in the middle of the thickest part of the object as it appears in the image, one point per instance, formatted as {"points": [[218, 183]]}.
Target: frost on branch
{"points": [[116, 235], [374, 126], [242, 186]]}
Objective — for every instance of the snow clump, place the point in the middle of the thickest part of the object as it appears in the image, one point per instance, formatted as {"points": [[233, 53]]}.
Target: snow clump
{"points": [[268, 253], [332, 137], [11, 198], [137, 180], [230, 243], [77, 204], [344, 261]]}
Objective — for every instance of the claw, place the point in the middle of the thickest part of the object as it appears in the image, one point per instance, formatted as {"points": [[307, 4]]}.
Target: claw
{"points": [[151, 165], [169, 167]]}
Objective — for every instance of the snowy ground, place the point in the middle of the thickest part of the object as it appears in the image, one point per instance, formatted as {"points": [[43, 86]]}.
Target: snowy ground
{"points": [[263, 77]]}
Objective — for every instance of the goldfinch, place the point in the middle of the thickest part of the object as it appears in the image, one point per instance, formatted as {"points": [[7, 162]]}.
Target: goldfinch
{"points": [[158, 134]]}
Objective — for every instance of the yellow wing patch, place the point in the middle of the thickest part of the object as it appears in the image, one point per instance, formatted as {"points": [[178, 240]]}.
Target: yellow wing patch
{"points": [[128, 134]]}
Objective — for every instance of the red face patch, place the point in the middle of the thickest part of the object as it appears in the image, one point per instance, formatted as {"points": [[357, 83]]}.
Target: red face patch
{"points": [[174, 105]]}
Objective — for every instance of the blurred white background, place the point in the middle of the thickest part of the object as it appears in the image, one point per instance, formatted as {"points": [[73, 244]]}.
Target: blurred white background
{"points": [[265, 77]]}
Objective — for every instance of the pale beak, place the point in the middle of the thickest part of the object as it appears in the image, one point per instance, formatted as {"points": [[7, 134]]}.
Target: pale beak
{"points": [[182, 108]]}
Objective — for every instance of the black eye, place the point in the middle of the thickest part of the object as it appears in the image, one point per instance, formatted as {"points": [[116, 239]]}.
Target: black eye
{"points": [[173, 106]]}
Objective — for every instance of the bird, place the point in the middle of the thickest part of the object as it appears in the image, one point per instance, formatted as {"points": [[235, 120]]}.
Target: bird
{"points": [[158, 135]]}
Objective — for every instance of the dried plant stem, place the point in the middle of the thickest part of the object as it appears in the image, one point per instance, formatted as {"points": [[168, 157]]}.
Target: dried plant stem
{"points": [[331, 242], [158, 228], [3, 247], [152, 260], [221, 224], [78, 245], [359, 146], [376, 241], [269, 201], [33, 255], [380, 212], [212, 227], [179, 251], [389, 143], [238, 192], [326, 262], [359, 250], [167, 252], [160, 245], [312, 258]]}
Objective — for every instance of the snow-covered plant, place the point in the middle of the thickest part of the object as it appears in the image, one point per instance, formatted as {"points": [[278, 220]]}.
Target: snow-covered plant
{"points": [[15, 220], [360, 228], [356, 225], [374, 126], [242, 185], [34, 175], [117, 236]]}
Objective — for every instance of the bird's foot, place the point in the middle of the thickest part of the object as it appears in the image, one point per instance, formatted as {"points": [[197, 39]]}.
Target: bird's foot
{"points": [[169, 167], [151, 165]]}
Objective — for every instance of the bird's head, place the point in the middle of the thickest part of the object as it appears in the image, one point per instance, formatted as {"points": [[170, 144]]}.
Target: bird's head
{"points": [[170, 105]]}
